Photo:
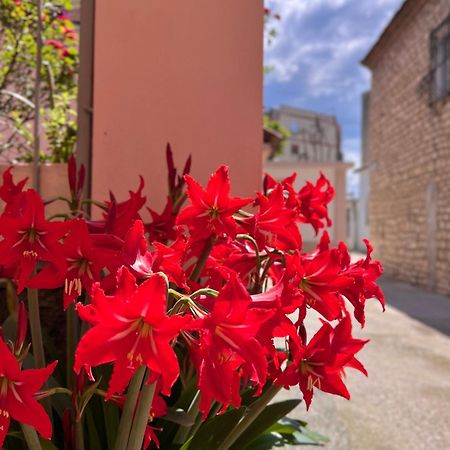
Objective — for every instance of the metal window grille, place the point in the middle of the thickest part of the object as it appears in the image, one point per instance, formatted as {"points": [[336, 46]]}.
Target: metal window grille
{"points": [[440, 61]]}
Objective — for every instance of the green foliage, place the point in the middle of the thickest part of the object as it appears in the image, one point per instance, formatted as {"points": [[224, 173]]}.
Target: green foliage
{"points": [[276, 126], [18, 51]]}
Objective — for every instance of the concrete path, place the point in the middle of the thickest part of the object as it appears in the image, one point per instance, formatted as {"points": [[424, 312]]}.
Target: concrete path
{"points": [[405, 402]]}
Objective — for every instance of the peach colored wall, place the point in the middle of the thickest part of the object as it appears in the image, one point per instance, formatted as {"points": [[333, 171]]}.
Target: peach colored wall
{"points": [[54, 183], [184, 71]]}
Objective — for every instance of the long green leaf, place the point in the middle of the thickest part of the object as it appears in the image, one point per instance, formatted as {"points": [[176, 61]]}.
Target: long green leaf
{"points": [[212, 433], [271, 414]]}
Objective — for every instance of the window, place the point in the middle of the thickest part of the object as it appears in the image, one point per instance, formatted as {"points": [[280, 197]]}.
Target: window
{"points": [[440, 61], [294, 127], [294, 149]]}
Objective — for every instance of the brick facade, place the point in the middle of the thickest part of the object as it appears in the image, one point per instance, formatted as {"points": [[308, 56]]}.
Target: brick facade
{"points": [[408, 145]]}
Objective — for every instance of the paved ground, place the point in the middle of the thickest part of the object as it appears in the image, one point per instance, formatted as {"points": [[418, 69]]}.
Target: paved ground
{"points": [[405, 402]]}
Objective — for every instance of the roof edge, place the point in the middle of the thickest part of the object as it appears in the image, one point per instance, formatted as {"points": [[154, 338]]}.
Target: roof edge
{"points": [[407, 8]]}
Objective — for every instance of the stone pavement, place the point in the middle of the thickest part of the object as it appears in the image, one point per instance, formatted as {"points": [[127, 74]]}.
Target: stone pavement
{"points": [[404, 404]]}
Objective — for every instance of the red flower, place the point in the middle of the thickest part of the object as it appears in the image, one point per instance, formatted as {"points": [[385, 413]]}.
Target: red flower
{"points": [[162, 226], [227, 350], [28, 238], [85, 260], [119, 217], [364, 272], [321, 363], [320, 278], [314, 201], [274, 224], [17, 392], [143, 263], [131, 329], [211, 210], [9, 190]]}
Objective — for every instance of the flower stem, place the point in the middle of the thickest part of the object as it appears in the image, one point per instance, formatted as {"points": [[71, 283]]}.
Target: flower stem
{"points": [[71, 339], [202, 260], [192, 412], [255, 409], [126, 419], [141, 417], [36, 338], [31, 437], [79, 434]]}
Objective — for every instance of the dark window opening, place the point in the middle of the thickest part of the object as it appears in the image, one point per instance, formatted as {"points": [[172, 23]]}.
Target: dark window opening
{"points": [[440, 61], [294, 149]]}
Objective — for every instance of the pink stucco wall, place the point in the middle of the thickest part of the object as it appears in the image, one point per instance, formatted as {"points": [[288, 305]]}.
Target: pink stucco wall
{"points": [[184, 71]]}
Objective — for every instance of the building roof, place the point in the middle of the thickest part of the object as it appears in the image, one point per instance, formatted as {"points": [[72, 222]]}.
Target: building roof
{"points": [[403, 14], [304, 112]]}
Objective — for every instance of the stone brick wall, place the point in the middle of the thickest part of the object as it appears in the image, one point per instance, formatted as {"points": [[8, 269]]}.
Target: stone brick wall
{"points": [[409, 151]]}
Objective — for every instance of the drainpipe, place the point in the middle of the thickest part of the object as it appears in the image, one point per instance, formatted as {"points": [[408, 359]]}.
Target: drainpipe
{"points": [[85, 91], [37, 100]]}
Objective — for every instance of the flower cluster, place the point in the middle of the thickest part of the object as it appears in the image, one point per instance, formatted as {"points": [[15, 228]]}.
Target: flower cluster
{"points": [[213, 293]]}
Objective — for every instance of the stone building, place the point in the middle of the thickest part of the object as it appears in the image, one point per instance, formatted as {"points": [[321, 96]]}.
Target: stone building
{"points": [[314, 146], [408, 144], [313, 136]]}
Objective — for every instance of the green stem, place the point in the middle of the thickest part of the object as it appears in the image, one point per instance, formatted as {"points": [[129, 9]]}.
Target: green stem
{"points": [[31, 437], [36, 338], [35, 328], [205, 291], [202, 260], [248, 238], [71, 340], [192, 412], [141, 417], [126, 419], [79, 434], [255, 409]]}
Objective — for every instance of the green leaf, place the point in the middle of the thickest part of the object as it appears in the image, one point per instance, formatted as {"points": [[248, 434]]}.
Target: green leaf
{"points": [[92, 432], [267, 441], [295, 432], [271, 414], [111, 415], [212, 433], [47, 445], [179, 417]]}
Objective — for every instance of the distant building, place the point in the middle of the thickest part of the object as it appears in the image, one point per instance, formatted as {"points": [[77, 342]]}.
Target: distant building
{"points": [[408, 144], [314, 136], [313, 147]]}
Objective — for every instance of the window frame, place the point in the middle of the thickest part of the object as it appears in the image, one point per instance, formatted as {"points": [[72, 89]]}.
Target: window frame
{"points": [[440, 61]]}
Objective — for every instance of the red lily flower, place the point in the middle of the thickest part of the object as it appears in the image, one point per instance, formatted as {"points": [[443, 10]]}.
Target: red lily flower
{"points": [[9, 190], [321, 363], [131, 329], [364, 272], [314, 201], [320, 278], [274, 224], [163, 258], [227, 350], [119, 217], [28, 238], [162, 226], [238, 256], [17, 395], [211, 210]]}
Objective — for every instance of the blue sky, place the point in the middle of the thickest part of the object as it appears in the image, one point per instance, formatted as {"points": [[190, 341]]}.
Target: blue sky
{"points": [[315, 59]]}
